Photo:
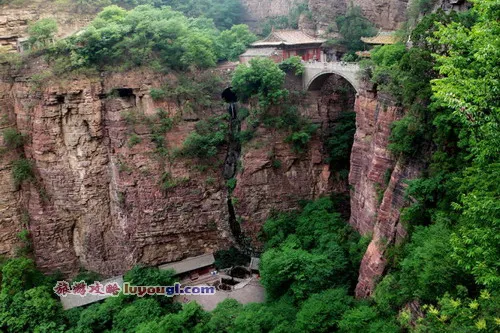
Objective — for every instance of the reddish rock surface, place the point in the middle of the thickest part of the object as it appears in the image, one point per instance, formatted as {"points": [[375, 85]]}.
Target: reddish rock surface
{"points": [[385, 14], [98, 203], [377, 185]]}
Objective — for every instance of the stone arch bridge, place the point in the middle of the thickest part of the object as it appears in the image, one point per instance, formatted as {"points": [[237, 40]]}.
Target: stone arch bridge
{"points": [[316, 73]]}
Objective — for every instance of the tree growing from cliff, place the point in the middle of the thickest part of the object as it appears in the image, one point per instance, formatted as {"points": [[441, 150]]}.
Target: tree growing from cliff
{"points": [[352, 26], [263, 78], [233, 42], [42, 32]]}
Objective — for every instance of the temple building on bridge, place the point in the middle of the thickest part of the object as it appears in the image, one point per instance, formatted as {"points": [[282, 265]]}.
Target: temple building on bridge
{"points": [[283, 44]]}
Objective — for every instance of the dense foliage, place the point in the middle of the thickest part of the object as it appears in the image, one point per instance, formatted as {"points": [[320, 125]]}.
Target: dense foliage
{"points": [[42, 32], [225, 13], [308, 269], [448, 83], [263, 78], [157, 37], [352, 26], [205, 141]]}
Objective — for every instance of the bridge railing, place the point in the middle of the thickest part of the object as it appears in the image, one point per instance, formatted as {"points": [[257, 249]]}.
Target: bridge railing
{"points": [[338, 65]]}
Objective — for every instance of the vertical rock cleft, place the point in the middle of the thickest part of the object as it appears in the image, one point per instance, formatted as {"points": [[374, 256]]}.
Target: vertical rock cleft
{"points": [[232, 158]]}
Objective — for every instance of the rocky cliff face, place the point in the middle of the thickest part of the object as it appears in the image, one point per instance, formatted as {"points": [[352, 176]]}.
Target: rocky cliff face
{"points": [[275, 178], [14, 20], [378, 185], [97, 201], [386, 14]]}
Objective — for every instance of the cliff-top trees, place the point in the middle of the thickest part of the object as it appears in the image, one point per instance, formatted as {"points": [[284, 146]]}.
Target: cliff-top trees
{"points": [[42, 32], [149, 36], [262, 78]]}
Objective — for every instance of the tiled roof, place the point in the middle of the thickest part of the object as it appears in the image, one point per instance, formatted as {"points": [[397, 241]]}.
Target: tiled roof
{"points": [[288, 37], [382, 38], [259, 52], [190, 264]]}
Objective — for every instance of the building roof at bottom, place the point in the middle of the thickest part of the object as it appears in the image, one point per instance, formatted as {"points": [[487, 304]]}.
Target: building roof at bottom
{"points": [[72, 301], [190, 264], [288, 37], [382, 38]]}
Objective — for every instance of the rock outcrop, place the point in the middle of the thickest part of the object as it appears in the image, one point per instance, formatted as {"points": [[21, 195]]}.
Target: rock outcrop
{"points": [[98, 201], [378, 185], [14, 20], [385, 14]]}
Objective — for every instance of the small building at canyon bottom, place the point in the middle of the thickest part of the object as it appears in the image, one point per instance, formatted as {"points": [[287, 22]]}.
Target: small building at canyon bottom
{"points": [[283, 44], [192, 267]]}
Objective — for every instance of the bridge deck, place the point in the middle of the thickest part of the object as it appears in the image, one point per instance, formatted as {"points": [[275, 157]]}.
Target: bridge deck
{"points": [[315, 69]]}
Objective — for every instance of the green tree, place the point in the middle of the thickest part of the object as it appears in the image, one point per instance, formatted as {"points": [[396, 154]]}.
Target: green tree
{"points": [[428, 269], [462, 314], [42, 32], [231, 43], [468, 85], [198, 50], [293, 65], [352, 26], [263, 78], [186, 320], [322, 312], [223, 317], [365, 318], [294, 271], [269, 317], [26, 302], [140, 311]]}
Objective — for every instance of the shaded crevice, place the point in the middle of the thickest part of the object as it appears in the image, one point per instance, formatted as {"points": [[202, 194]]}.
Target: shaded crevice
{"points": [[230, 168], [231, 160]]}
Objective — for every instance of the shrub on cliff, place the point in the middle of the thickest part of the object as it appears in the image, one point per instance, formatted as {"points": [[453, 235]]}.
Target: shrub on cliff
{"points": [[22, 170], [262, 78], [208, 136], [293, 65], [12, 138], [42, 32]]}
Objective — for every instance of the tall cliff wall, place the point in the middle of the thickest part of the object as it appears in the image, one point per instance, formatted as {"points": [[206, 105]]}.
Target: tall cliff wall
{"points": [[97, 201], [14, 20], [378, 184]]}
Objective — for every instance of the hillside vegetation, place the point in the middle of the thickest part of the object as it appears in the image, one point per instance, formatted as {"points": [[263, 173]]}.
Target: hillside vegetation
{"points": [[443, 278]]}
